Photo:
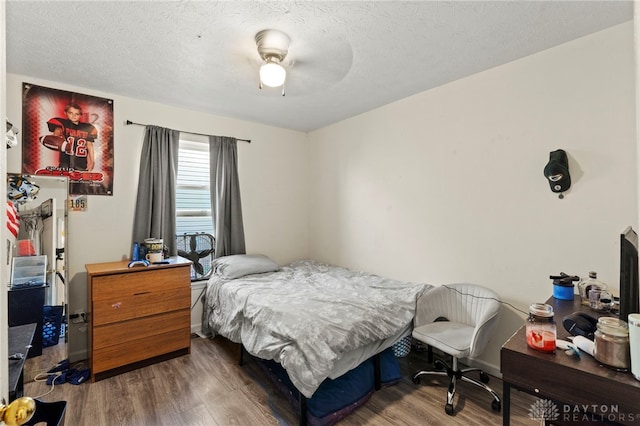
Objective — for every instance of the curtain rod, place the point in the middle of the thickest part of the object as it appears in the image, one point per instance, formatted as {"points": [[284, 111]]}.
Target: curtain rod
{"points": [[129, 122]]}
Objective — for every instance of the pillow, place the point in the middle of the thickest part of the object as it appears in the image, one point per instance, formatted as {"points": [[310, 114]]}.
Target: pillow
{"points": [[239, 265]]}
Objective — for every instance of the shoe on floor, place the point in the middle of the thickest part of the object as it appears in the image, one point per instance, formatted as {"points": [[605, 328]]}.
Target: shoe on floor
{"points": [[62, 366], [78, 376]]}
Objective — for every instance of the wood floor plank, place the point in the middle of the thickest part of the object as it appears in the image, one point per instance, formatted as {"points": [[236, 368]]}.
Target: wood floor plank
{"points": [[197, 415], [209, 388]]}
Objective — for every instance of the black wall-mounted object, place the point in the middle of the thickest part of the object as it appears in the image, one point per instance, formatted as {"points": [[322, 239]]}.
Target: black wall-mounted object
{"points": [[557, 171]]}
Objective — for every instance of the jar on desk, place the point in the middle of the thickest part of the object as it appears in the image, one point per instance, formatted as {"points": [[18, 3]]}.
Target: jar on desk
{"points": [[611, 343], [541, 328]]}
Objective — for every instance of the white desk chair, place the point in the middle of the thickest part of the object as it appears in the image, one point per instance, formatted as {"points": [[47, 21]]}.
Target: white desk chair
{"points": [[457, 319]]}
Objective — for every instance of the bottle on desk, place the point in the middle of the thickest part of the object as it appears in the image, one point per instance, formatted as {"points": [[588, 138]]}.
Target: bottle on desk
{"points": [[588, 284], [135, 252]]}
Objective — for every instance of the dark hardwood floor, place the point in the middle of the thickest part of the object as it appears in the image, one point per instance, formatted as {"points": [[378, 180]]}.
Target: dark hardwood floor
{"points": [[208, 387]]}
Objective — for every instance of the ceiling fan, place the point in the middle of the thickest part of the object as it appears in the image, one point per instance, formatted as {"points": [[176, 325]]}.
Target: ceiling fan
{"points": [[273, 46], [302, 60]]}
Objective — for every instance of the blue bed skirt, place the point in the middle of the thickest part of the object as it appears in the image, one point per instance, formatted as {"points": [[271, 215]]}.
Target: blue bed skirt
{"points": [[335, 399]]}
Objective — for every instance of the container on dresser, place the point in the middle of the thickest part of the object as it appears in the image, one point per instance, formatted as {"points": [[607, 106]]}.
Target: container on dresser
{"points": [[138, 315]]}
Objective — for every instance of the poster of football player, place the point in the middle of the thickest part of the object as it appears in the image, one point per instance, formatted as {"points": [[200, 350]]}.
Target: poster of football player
{"points": [[68, 134]]}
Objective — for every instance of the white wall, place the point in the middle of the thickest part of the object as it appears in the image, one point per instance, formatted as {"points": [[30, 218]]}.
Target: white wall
{"points": [[447, 185], [636, 51], [273, 184]]}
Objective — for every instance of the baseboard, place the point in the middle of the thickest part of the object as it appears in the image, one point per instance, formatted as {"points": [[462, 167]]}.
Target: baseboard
{"points": [[196, 329], [488, 368]]}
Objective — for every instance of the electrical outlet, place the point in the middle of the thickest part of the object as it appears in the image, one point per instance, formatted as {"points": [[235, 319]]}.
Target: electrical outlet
{"points": [[78, 317]]}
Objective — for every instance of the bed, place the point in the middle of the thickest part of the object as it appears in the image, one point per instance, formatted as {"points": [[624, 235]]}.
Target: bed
{"points": [[317, 324]]}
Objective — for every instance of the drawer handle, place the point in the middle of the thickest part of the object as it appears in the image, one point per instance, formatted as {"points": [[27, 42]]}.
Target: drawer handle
{"points": [[141, 293], [116, 305]]}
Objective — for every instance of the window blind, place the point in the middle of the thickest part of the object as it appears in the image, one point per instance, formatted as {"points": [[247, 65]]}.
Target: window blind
{"points": [[193, 198]]}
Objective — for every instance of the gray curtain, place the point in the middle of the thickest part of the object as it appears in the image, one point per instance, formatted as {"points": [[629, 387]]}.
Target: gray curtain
{"points": [[155, 204], [225, 196]]}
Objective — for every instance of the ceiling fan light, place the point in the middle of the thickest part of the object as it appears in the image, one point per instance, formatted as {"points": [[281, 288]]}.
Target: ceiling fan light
{"points": [[272, 74]]}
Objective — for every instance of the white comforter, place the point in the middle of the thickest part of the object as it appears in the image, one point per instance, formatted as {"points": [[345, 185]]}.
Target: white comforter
{"points": [[308, 315]]}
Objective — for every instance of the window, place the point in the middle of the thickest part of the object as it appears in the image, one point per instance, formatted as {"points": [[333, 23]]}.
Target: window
{"points": [[193, 199]]}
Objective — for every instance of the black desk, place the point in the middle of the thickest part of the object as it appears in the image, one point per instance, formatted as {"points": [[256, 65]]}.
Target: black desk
{"points": [[558, 377], [20, 338]]}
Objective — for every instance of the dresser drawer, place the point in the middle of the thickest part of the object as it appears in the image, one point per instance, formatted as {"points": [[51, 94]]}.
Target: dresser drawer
{"points": [[110, 287], [138, 350], [127, 331], [139, 305]]}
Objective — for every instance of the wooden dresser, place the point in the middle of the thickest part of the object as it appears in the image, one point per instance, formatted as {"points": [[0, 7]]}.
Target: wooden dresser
{"points": [[137, 316]]}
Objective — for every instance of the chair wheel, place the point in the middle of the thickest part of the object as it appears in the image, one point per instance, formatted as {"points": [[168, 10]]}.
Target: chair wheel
{"points": [[416, 380], [439, 365], [484, 377], [496, 405], [448, 409]]}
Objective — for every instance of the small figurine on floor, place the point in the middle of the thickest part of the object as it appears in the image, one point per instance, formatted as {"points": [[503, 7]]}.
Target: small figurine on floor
{"points": [[18, 412]]}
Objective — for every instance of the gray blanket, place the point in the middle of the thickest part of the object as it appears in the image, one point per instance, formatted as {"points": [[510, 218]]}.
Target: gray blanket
{"points": [[308, 315]]}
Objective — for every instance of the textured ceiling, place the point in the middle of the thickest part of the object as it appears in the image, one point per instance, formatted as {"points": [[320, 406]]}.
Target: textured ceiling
{"points": [[345, 58]]}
